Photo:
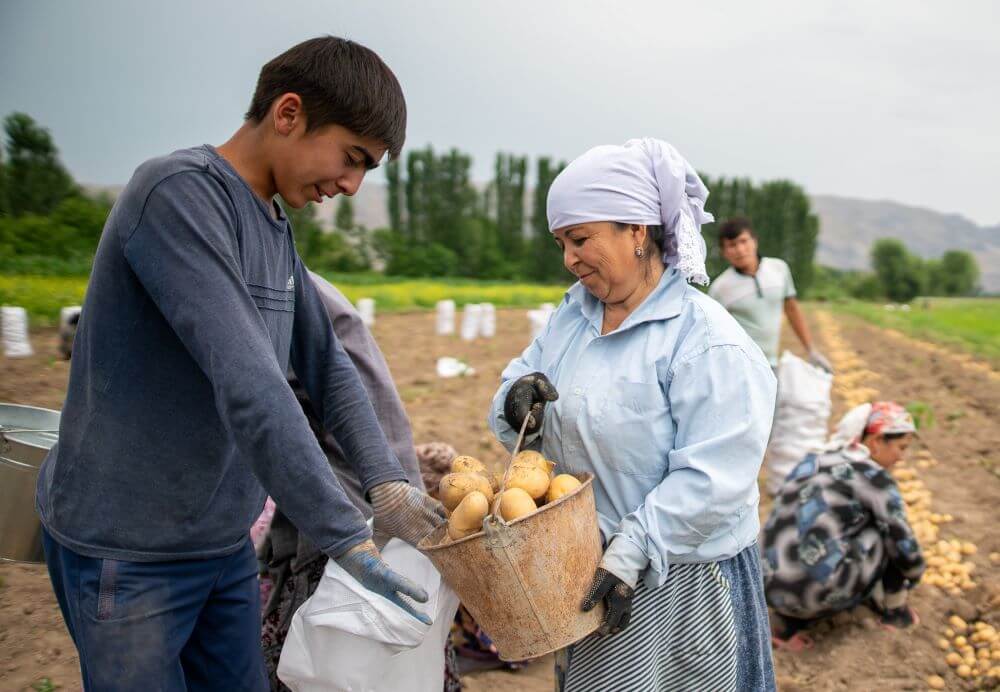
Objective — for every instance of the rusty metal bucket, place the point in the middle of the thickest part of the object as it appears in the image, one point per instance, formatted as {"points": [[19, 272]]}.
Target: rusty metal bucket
{"points": [[524, 581]]}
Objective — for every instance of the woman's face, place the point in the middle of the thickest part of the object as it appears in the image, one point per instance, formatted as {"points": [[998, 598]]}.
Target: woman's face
{"points": [[602, 256], [887, 453]]}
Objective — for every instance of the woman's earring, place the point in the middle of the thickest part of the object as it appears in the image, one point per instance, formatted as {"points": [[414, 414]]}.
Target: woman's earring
{"points": [[638, 252]]}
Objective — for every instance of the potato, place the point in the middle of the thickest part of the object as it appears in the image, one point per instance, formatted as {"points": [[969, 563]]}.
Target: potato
{"points": [[935, 682], [455, 486], [530, 479], [532, 458], [515, 503], [953, 659], [467, 518], [561, 485], [467, 464]]}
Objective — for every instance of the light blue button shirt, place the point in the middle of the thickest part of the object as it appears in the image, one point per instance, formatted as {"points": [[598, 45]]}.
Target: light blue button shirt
{"points": [[671, 412]]}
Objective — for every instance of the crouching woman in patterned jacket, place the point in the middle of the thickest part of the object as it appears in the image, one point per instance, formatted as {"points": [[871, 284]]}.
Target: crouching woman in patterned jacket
{"points": [[838, 534]]}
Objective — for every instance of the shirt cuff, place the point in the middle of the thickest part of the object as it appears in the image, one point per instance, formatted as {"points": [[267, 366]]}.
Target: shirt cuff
{"points": [[396, 474], [625, 560]]}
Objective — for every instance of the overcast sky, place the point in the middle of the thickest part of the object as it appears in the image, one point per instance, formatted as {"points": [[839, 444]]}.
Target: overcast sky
{"points": [[881, 100]]}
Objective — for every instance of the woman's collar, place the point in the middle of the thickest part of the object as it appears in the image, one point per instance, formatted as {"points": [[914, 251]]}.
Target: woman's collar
{"points": [[664, 302]]}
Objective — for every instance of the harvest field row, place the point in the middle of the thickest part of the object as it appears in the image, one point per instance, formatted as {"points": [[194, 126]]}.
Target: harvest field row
{"points": [[971, 324]]}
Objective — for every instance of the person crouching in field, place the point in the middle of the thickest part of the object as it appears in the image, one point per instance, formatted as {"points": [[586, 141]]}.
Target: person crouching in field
{"points": [[838, 534]]}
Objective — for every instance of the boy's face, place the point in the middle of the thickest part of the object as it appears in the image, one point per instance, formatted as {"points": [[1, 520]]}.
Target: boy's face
{"points": [[741, 251], [325, 162]]}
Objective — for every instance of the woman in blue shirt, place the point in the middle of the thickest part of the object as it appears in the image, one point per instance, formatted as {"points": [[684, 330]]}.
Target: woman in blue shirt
{"points": [[651, 386]]}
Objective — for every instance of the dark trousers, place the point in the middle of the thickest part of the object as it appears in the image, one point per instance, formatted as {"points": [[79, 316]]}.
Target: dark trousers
{"points": [[180, 625]]}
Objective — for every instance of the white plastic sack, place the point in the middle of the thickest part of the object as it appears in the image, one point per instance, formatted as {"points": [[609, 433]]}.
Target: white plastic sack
{"points": [[453, 367], [445, 317], [538, 320], [14, 326], [487, 320], [344, 637], [472, 314], [800, 420], [366, 308]]}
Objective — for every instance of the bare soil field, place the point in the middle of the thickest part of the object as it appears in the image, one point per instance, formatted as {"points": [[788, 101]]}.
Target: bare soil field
{"points": [[854, 653]]}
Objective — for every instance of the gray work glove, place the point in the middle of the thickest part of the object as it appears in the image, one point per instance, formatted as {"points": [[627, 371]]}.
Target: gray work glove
{"points": [[405, 512], [364, 563], [528, 396], [820, 361]]}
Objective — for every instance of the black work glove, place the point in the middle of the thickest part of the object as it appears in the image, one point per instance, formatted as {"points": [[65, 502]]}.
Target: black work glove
{"points": [[528, 396], [617, 596]]}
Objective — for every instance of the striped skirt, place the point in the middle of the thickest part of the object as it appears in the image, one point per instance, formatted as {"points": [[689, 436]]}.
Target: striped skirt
{"points": [[705, 629]]}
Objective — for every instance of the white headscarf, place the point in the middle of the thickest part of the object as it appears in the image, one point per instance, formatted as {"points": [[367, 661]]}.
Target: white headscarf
{"points": [[645, 181], [850, 429]]}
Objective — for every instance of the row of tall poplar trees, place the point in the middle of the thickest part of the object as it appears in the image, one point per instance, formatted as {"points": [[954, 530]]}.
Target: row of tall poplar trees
{"points": [[441, 224]]}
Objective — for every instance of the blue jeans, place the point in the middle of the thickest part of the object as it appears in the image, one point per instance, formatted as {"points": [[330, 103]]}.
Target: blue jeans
{"points": [[181, 625]]}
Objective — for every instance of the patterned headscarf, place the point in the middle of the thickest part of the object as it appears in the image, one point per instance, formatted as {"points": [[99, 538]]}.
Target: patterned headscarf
{"points": [[645, 181], [879, 418], [889, 418]]}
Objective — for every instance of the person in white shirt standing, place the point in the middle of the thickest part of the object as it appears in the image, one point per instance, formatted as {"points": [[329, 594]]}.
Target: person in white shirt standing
{"points": [[756, 290]]}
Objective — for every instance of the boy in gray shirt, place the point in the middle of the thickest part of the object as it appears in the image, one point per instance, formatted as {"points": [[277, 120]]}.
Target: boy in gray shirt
{"points": [[178, 415]]}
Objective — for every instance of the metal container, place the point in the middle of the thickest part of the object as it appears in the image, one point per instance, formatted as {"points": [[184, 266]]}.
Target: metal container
{"points": [[27, 434], [524, 581]]}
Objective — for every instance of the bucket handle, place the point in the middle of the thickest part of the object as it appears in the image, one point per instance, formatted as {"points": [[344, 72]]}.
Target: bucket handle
{"points": [[494, 516]]}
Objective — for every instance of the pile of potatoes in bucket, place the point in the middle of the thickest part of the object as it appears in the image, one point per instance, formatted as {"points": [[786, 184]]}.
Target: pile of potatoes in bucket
{"points": [[470, 490]]}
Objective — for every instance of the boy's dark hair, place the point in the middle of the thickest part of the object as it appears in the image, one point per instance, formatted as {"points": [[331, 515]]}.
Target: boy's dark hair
{"points": [[341, 83], [732, 227]]}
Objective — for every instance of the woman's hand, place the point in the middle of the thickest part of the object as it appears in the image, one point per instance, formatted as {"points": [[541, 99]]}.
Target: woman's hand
{"points": [[617, 597], [527, 397]]}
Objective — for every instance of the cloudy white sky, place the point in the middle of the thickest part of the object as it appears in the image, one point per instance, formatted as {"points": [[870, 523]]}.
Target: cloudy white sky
{"points": [[888, 100]]}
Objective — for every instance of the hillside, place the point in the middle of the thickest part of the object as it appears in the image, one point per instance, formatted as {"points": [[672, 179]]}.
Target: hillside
{"points": [[848, 227]]}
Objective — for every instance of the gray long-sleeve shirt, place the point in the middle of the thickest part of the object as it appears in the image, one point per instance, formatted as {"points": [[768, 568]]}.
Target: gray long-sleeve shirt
{"points": [[285, 547], [178, 410]]}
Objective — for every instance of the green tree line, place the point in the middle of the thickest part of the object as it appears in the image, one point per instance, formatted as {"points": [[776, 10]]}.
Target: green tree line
{"points": [[47, 224], [899, 275], [441, 224]]}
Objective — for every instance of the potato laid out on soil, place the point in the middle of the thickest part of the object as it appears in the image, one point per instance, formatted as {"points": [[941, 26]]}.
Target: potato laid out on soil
{"points": [[467, 518], [516, 503], [562, 484], [455, 486], [467, 464]]}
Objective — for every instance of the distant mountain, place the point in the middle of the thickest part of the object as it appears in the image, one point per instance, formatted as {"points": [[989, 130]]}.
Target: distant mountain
{"points": [[848, 227]]}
